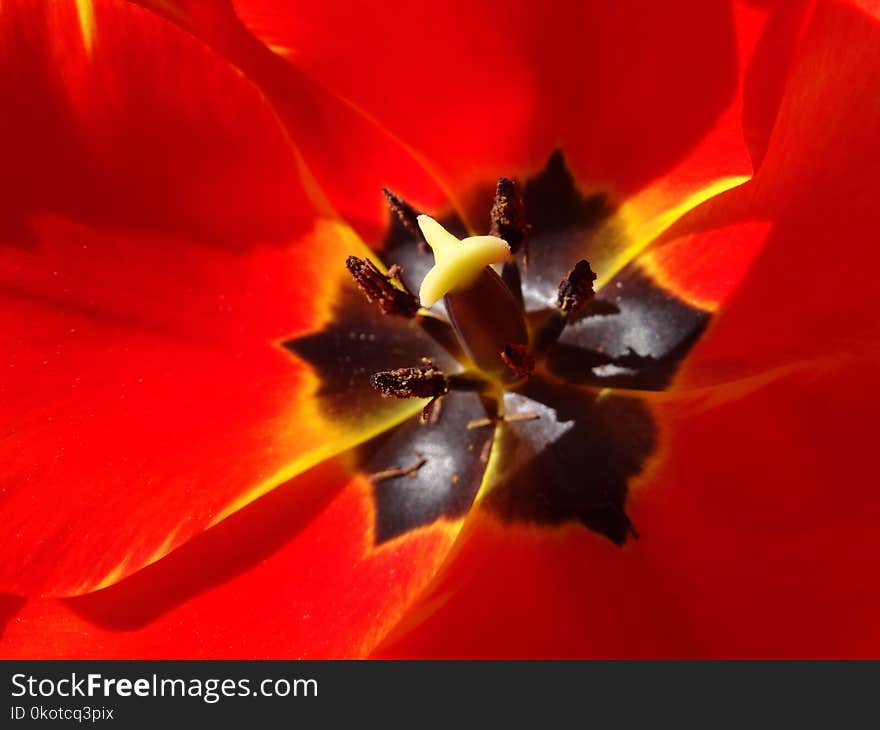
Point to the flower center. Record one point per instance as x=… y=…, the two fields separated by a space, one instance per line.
x=478 y=279
x=486 y=316
x=553 y=425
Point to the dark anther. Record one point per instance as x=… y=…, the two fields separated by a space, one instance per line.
x=509 y=216
x=404 y=212
x=422 y=381
x=575 y=293
x=519 y=359
x=576 y=289
x=381 y=289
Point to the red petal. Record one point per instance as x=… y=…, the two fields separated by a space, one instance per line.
x=706 y=269
x=757 y=515
x=809 y=292
x=349 y=155
x=116 y=118
x=768 y=72
x=293 y=575
x=146 y=394
x=483 y=89
x=757 y=540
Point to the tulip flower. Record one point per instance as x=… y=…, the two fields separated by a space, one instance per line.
x=592 y=378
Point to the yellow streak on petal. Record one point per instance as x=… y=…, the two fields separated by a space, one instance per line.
x=750 y=237
x=86 y=13
x=113 y=576
x=124 y=568
x=641 y=225
x=306 y=418
x=280 y=50
x=334 y=444
x=658 y=274
x=340 y=241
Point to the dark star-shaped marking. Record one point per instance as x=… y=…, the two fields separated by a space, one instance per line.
x=571 y=464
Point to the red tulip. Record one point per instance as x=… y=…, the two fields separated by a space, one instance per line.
x=194 y=462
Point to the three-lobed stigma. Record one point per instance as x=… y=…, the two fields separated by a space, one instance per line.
x=457 y=263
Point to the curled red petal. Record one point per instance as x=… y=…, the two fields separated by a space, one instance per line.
x=148 y=395
x=348 y=154
x=808 y=292
x=488 y=89
x=114 y=117
x=294 y=575
x=158 y=248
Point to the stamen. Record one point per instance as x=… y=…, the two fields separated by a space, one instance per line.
x=405 y=213
x=575 y=293
x=511 y=418
x=431 y=413
x=576 y=289
x=509 y=216
x=486 y=452
x=380 y=288
x=422 y=381
x=397 y=471
x=519 y=358
x=427 y=414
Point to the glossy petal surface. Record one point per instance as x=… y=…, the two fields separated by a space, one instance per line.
x=756 y=513
x=157 y=246
x=751 y=481
x=578 y=75
x=348 y=155
x=295 y=574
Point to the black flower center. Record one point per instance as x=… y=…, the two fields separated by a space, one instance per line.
x=527 y=363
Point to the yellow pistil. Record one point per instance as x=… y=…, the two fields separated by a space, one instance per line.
x=457 y=263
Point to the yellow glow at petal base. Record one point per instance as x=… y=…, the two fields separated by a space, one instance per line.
x=456 y=263
x=330 y=438
x=644 y=220
x=86 y=14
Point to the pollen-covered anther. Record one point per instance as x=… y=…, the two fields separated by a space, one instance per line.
x=380 y=288
x=405 y=213
x=576 y=288
x=508 y=216
x=519 y=359
x=422 y=381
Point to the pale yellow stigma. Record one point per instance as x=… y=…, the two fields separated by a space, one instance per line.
x=457 y=263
